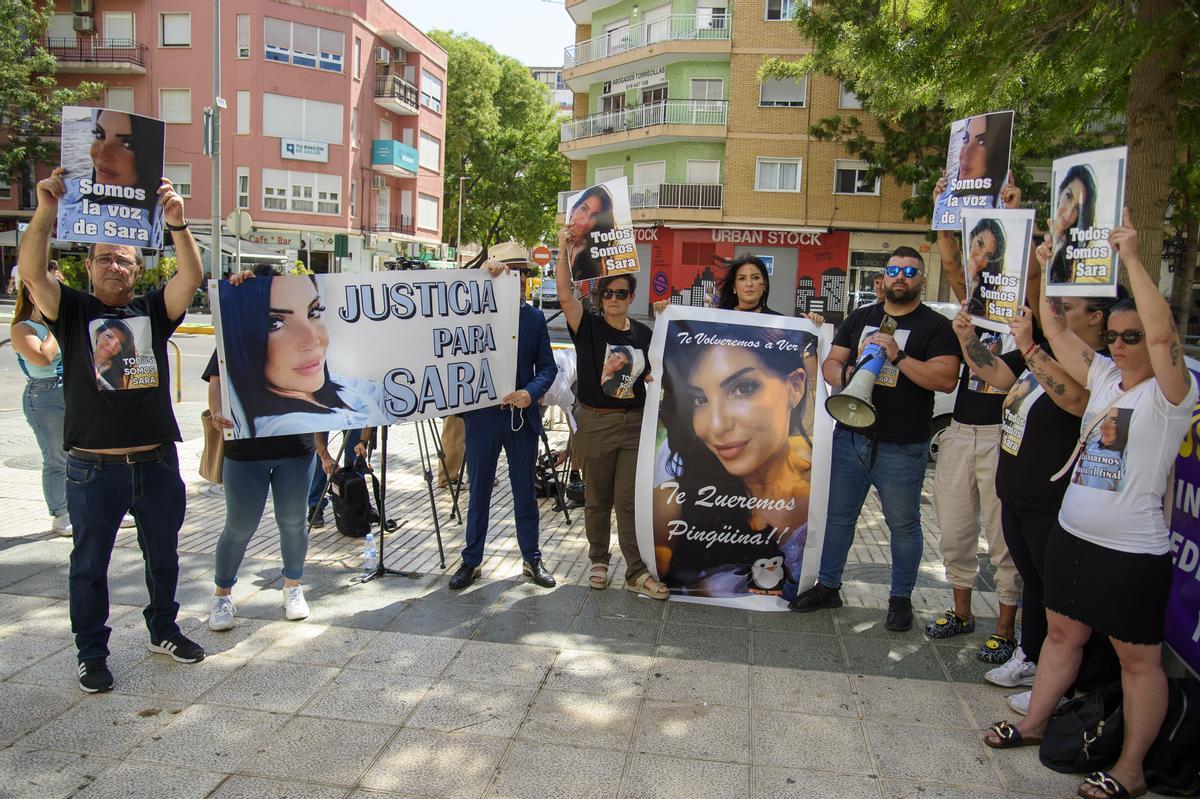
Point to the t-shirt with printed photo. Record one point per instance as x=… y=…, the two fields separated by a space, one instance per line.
x=123 y=353
x=622 y=367
x=976 y=402
x=1102 y=462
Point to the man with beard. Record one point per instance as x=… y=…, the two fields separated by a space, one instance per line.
x=922 y=357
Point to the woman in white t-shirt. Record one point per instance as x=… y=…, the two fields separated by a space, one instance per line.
x=1108 y=565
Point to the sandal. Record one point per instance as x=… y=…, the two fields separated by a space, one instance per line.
x=1009 y=737
x=948 y=625
x=598 y=576
x=1107 y=785
x=642 y=586
x=997 y=649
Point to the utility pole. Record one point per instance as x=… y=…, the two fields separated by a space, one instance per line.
x=215 y=139
x=462 y=176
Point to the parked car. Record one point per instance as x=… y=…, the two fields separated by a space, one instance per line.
x=943 y=402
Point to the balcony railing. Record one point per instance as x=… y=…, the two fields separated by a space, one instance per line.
x=396 y=88
x=668 y=112
x=396 y=223
x=673 y=28
x=703 y=196
x=97 y=51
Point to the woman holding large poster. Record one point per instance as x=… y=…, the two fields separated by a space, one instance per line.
x=733 y=461
x=1089 y=195
x=977 y=162
x=599 y=238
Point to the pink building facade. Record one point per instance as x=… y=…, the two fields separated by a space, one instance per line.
x=334 y=120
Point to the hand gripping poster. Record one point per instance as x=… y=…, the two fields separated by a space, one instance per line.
x=114 y=166
x=600 y=234
x=733 y=464
x=996 y=254
x=311 y=353
x=1086 y=201
x=1182 y=625
x=976 y=166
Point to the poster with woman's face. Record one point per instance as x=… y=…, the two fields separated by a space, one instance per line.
x=622 y=368
x=1102 y=464
x=600 y=238
x=996 y=264
x=976 y=166
x=114 y=166
x=1087 y=194
x=123 y=353
x=726 y=467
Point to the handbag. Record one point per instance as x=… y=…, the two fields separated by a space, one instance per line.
x=213 y=456
x=1086 y=733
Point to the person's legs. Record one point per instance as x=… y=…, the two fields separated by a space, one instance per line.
x=288 y=478
x=352 y=439
x=1008 y=580
x=624 y=486
x=245 y=496
x=1144 y=688
x=521 y=449
x=159 y=502
x=1025 y=535
x=956 y=500
x=482 y=451
x=596 y=446
x=45 y=410
x=317 y=486
x=849 y=481
x=453 y=444
x=898 y=474
x=1057 y=668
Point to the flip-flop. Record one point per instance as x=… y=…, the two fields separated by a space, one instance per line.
x=639 y=586
x=599 y=576
x=1009 y=737
x=1107 y=785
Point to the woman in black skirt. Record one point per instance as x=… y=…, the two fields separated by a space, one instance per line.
x=1108 y=566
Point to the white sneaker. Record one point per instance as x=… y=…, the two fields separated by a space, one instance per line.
x=1015 y=671
x=62 y=524
x=221 y=615
x=1020 y=702
x=294 y=604
x=127 y=521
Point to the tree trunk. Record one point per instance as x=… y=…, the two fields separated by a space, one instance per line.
x=1151 y=126
x=1187 y=278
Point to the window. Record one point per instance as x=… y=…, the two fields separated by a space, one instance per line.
x=784 y=92
x=175 y=29
x=847 y=98
x=301 y=192
x=707 y=94
x=118 y=98
x=781 y=9
x=243 y=35
x=275 y=189
x=243 y=187
x=302 y=45
x=353 y=127
x=353 y=198
x=357 y=58
x=62 y=27
x=175 y=106
x=243 y=112
x=430 y=153
x=5 y=190
x=431 y=92
x=712 y=15
x=180 y=176
x=850 y=177
x=301 y=118
x=427 y=212
x=329 y=195
x=607 y=173
x=118 y=25
x=704 y=172
x=777 y=174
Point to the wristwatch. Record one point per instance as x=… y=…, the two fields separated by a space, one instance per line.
x=900 y=356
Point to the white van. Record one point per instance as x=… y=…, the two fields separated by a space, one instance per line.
x=943 y=402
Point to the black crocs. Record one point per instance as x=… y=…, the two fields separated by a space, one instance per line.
x=949 y=624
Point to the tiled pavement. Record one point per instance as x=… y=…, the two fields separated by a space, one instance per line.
x=398 y=688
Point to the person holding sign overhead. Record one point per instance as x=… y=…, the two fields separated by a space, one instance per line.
x=591 y=214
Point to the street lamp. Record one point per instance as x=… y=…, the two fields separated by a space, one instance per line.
x=462 y=176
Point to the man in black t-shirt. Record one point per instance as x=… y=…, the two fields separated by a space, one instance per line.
x=922 y=357
x=120 y=428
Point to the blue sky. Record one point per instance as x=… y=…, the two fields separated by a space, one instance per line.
x=532 y=31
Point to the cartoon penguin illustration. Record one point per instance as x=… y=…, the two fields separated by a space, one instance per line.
x=767 y=575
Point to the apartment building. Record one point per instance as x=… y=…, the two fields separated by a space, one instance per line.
x=719 y=163
x=561 y=96
x=332 y=135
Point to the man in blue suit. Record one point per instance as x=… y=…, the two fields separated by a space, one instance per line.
x=515 y=426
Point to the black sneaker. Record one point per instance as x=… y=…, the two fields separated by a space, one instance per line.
x=316 y=518
x=817 y=598
x=94 y=676
x=181 y=649
x=899 y=615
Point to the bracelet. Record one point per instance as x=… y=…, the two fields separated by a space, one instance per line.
x=169 y=226
x=1032 y=347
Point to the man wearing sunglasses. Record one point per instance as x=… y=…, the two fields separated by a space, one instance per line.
x=923 y=357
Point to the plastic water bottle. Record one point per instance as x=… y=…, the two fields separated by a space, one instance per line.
x=370 y=555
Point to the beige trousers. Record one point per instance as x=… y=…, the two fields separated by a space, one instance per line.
x=454 y=444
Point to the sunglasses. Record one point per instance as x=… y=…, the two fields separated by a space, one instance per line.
x=908 y=271
x=1130 y=337
x=620 y=294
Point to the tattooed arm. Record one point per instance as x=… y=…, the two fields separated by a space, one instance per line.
x=1072 y=353
x=979 y=358
x=1063 y=390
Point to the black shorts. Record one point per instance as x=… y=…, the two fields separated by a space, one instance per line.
x=1120 y=594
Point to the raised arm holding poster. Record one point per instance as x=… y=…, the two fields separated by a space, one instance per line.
x=976 y=166
x=600 y=239
x=1088 y=195
x=733 y=464
x=996 y=252
x=114 y=163
x=314 y=353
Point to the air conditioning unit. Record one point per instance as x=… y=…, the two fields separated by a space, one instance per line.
x=83 y=6
x=378 y=182
x=399 y=56
x=83 y=24
x=383 y=55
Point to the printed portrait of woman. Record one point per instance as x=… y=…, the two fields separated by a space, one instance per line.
x=985 y=256
x=278 y=372
x=113 y=347
x=983 y=152
x=734 y=457
x=1019 y=392
x=1073 y=208
x=591 y=214
x=1102 y=464
x=616 y=375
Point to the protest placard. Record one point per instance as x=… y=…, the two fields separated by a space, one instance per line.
x=996 y=263
x=1088 y=194
x=1182 y=625
x=600 y=240
x=976 y=166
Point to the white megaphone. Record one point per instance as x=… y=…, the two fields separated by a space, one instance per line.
x=852 y=406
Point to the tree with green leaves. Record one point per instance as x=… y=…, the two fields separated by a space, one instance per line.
x=501 y=127
x=1079 y=75
x=31 y=100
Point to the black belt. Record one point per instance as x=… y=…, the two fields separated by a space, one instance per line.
x=146 y=456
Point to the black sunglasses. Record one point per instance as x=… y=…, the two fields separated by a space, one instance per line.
x=620 y=294
x=909 y=271
x=1130 y=337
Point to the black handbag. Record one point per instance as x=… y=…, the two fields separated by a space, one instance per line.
x=1086 y=733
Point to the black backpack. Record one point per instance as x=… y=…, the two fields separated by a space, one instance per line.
x=1173 y=763
x=352 y=509
x=1086 y=733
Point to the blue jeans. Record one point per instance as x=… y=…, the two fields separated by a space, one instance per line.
x=489 y=430
x=98 y=496
x=320 y=480
x=246 y=484
x=45 y=410
x=897 y=474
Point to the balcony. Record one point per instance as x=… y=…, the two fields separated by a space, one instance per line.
x=396 y=95
x=651 y=44
x=94 y=55
x=394 y=158
x=654 y=123
x=397 y=224
x=581 y=10
x=673 y=202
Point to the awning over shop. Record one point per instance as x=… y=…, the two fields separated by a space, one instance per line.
x=250 y=252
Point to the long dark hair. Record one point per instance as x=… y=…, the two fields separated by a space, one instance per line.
x=584 y=266
x=998 y=131
x=24 y=307
x=245 y=323
x=128 y=350
x=727 y=294
x=149 y=163
x=1060 y=268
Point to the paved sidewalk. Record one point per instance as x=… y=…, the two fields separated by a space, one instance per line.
x=400 y=688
